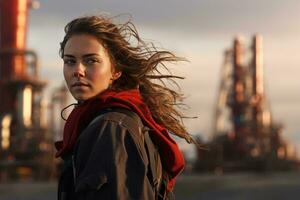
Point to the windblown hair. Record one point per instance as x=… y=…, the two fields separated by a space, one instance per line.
x=141 y=65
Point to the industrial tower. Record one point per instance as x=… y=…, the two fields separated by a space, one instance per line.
x=24 y=146
x=245 y=136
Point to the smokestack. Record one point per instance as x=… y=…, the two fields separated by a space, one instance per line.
x=238 y=51
x=238 y=72
x=13 y=29
x=258 y=88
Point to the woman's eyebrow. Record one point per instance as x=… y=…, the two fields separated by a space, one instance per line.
x=68 y=55
x=90 y=54
x=84 y=56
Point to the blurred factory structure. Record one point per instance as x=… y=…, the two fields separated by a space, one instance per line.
x=245 y=136
x=26 y=142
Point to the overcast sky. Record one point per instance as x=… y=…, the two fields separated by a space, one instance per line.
x=200 y=30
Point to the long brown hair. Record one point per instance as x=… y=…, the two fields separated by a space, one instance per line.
x=141 y=64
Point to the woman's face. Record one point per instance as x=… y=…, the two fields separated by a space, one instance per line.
x=88 y=70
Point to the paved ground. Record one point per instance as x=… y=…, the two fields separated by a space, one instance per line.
x=284 y=186
x=28 y=191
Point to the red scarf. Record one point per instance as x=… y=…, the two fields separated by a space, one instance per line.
x=83 y=114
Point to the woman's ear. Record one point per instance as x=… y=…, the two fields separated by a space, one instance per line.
x=116 y=75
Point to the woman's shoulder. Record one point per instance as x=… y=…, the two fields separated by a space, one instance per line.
x=120 y=117
x=112 y=126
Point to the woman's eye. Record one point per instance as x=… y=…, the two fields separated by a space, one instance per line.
x=69 y=61
x=91 y=61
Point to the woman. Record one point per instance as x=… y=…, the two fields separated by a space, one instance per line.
x=116 y=144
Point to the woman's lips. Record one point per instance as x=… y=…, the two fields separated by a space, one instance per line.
x=80 y=84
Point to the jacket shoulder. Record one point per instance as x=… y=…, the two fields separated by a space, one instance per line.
x=122 y=117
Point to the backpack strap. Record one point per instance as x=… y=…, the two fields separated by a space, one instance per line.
x=159 y=176
x=154 y=163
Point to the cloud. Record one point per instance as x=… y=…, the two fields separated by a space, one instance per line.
x=193 y=17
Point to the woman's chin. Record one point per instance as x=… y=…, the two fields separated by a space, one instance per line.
x=81 y=97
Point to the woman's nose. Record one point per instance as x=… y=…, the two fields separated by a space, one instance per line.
x=79 y=71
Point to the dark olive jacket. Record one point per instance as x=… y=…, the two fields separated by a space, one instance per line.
x=110 y=161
